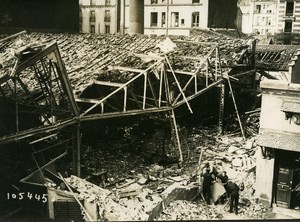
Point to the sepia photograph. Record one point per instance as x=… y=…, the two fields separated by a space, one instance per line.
x=149 y=110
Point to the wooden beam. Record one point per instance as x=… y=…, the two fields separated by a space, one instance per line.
x=76 y=198
x=178 y=85
x=154 y=57
x=99 y=116
x=105 y=83
x=13 y=36
x=190 y=57
x=35 y=131
x=78 y=150
x=117 y=90
x=43 y=138
x=135 y=98
x=127 y=69
x=182 y=72
x=177 y=104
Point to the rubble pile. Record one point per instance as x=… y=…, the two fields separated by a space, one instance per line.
x=227 y=152
x=187 y=210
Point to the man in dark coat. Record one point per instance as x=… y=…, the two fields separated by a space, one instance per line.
x=232 y=190
x=207 y=182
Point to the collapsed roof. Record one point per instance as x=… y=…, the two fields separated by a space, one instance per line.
x=115 y=74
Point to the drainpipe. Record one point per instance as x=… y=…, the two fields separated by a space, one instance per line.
x=122 y=19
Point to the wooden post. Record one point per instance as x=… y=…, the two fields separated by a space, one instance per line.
x=145 y=90
x=125 y=99
x=176 y=140
x=78 y=153
x=74 y=166
x=14 y=74
x=222 y=93
x=221 y=107
x=236 y=109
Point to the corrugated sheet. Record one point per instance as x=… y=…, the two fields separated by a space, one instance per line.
x=289 y=106
x=290 y=142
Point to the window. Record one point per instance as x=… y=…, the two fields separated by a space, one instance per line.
x=92 y=29
x=107 y=29
x=195 y=19
x=258 y=9
x=288 y=26
x=163 y=1
x=196 y=1
x=182 y=21
x=92 y=16
x=153 y=1
x=289 y=10
x=163 y=19
x=107 y=16
x=107 y=2
x=174 y=19
x=153 y=22
x=269 y=11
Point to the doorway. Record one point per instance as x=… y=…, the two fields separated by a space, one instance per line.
x=287 y=179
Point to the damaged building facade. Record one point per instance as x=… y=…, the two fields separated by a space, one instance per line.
x=278 y=172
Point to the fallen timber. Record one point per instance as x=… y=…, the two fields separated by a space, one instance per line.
x=148 y=81
x=153 y=91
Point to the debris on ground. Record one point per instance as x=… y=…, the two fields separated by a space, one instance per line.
x=134 y=188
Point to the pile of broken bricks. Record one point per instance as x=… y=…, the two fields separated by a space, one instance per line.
x=145 y=194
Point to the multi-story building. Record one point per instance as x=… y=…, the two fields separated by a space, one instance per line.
x=173 y=17
x=99 y=16
x=264 y=17
x=258 y=16
x=288 y=16
x=269 y=16
x=159 y=17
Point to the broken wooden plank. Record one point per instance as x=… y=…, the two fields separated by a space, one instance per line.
x=106 y=83
x=127 y=69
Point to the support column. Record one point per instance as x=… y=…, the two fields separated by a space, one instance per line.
x=221 y=107
x=176 y=137
x=74 y=166
x=78 y=150
x=122 y=17
x=136 y=17
x=222 y=91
